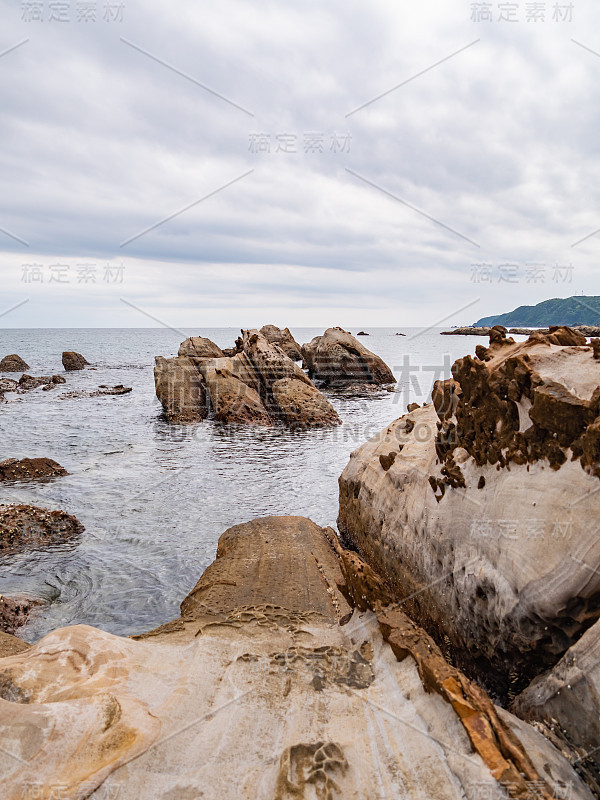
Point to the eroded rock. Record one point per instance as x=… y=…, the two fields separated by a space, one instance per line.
x=13 y=469
x=337 y=359
x=283 y=339
x=200 y=348
x=181 y=389
x=13 y=363
x=73 y=361
x=24 y=527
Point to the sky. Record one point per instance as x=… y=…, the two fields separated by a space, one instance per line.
x=306 y=164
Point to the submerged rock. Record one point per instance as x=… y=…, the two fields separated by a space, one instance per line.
x=73 y=361
x=24 y=527
x=13 y=363
x=13 y=469
x=29 y=382
x=338 y=359
x=283 y=339
x=325 y=701
x=483 y=520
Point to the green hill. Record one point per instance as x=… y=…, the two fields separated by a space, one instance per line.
x=558 y=311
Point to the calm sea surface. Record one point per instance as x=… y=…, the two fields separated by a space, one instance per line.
x=154 y=498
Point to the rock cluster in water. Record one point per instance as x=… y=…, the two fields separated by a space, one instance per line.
x=338 y=359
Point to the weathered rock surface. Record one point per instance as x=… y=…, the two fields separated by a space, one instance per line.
x=484 y=520
x=15 y=612
x=567 y=701
x=28 y=382
x=337 y=359
x=25 y=527
x=13 y=469
x=180 y=389
x=258 y=385
x=10 y=645
x=467 y=331
x=73 y=361
x=267 y=686
x=283 y=339
x=199 y=347
x=8 y=385
x=13 y=363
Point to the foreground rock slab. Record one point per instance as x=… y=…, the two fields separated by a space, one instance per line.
x=13 y=469
x=481 y=510
x=24 y=527
x=269 y=685
x=338 y=359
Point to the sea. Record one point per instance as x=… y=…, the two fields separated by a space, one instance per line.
x=154 y=497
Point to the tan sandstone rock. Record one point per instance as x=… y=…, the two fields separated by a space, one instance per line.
x=267 y=686
x=199 y=347
x=283 y=338
x=338 y=359
x=180 y=389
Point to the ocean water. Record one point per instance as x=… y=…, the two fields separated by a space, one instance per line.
x=155 y=497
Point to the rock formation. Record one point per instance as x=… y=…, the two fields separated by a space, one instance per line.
x=13 y=363
x=481 y=509
x=199 y=347
x=269 y=685
x=283 y=339
x=13 y=469
x=15 y=612
x=259 y=385
x=338 y=359
x=73 y=361
x=28 y=382
x=24 y=527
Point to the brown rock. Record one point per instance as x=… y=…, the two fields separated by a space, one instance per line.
x=181 y=389
x=13 y=363
x=29 y=469
x=231 y=399
x=11 y=646
x=73 y=361
x=301 y=405
x=283 y=339
x=8 y=385
x=24 y=527
x=15 y=612
x=199 y=347
x=445 y=398
x=338 y=359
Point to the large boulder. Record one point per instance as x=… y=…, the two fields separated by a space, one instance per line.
x=13 y=469
x=325 y=702
x=479 y=514
x=73 y=361
x=24 y=527
x=283 y=339
x=338 y=359
x=13 y=363
x=200 y=348
x=180 y=389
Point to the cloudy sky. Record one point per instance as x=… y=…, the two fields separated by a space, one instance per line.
x=310 y=163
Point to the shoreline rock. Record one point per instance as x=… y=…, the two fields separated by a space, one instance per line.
x=272 y=631
x=24 y=527
x=13 y=363
x=15 y=612
x=477 y=508
x=13 y=469
x=73 y=361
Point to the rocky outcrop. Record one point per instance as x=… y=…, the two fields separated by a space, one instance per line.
x=28 y=382
x=283 y=339
x=16 y=611
x=13 y=363
x=24 y=527
x=270 y=646
x=479 y=514
x=73 y=361
x=338 y=359
x=566 y=701
x=13 y=469
x=467 y=331
x=258 y=385
x=200 y=348
x=180 y=389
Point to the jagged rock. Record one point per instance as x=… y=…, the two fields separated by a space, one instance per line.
x=15 y=612
x=199 y=347
x=567 y=700
x=484 y=516
x=113 y=390
x=283 y=339
x=25 y=527
x=13 y=469
x=8 y=385
x=338 y=359
x=266 y=637
x=180 y=388
x=28 y=382
x=73 y=361
x=13 y=363
x=231 y=398
x=445 y=398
